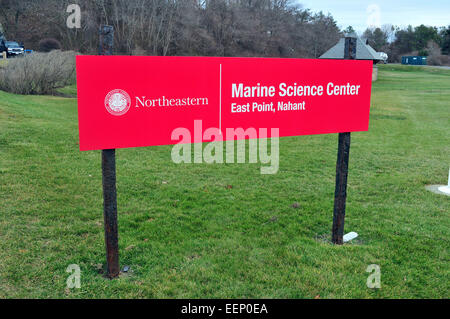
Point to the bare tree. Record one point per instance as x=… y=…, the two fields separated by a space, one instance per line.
x=176 y=27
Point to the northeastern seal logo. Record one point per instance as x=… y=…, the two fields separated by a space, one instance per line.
x=117 y=102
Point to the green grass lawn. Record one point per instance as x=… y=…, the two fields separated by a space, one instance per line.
x=68 y=91
x=187 y=234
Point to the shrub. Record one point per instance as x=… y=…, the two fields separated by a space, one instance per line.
x=38 y=73
x=435 y=57
x=49 y=44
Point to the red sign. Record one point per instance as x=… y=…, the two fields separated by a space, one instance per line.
x=139 y=101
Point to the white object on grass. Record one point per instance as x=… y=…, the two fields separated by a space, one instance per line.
x=350 y=236
x=446 y=189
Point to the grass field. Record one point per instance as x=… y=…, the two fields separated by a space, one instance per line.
x=195 y=231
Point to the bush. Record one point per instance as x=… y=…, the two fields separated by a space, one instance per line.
x=435 y=57
x=38 y=73
x=48 y=45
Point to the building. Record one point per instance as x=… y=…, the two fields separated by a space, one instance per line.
x=363 y=52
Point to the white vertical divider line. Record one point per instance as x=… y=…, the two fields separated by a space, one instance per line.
x=220 y=102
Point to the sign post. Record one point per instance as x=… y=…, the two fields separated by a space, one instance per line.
x=129 y=101
x=340 y=194
x=109 y=180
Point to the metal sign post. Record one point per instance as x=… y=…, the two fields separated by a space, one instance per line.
x=109 y=180
x=340 y=194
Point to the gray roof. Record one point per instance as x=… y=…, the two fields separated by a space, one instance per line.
x=363 y=50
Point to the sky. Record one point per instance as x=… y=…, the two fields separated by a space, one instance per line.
x=361 y=13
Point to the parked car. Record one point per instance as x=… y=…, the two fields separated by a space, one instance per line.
x=13 y=49
x=384 y=57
